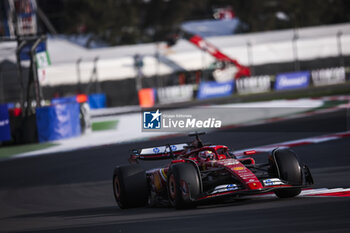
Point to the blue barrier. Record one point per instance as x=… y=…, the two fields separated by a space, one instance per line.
x=97 y=101
x=11 y=105
x=294 y=80
x=64 y=100
x=5 y=131
x=58 y=122
x=94 y=100
x=208 y=90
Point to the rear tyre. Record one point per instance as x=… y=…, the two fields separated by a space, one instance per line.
x=287 y=167
x=183 y=185
x=130 y=186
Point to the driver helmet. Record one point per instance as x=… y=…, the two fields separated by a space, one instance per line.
x=206 y=155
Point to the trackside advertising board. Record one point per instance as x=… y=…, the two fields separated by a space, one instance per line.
x=328 y=76
x=208 y=90
x=5 y=131
x=254 y=84
x=174 y=94
x=295 y=80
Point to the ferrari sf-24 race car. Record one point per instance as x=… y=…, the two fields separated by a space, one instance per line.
x=197 y=173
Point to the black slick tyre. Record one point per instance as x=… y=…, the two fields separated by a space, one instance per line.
x=130 y=186
x=287 y=167
x=183 y=185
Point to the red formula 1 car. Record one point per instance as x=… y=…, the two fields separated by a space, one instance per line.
x=198 y=173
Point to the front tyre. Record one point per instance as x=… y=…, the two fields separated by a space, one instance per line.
x=130 y=186
x=287 y=166
x=183 y=185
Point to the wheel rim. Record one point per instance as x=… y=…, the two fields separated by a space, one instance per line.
x=172 y=187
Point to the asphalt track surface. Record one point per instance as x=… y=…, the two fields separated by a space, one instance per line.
x=72 y=191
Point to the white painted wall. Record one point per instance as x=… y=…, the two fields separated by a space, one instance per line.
x=117 y=62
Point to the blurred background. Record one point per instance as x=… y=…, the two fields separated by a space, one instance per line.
x=123 y=22
x=78 y=76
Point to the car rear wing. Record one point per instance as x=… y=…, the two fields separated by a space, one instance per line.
x=158 y=152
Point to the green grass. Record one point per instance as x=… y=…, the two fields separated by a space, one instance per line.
x=332 y=103
x=8 y=151
x=104 y=125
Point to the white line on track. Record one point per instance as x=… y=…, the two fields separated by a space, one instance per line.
x=299 y=142
x=320 y=192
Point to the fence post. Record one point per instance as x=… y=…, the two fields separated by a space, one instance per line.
x=2 y=95
x=79 y=75
x=20 y=72
x=295 y=50
x=37 y=88
x=340 y=52
x=250 y=57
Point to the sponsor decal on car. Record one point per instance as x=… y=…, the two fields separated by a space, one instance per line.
x=163 y=149
x=163 y=174
x=231 y=187
x=225 y=188
x=156 y=150
x=272 y=182
x=157 y=183
x=229 y=162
